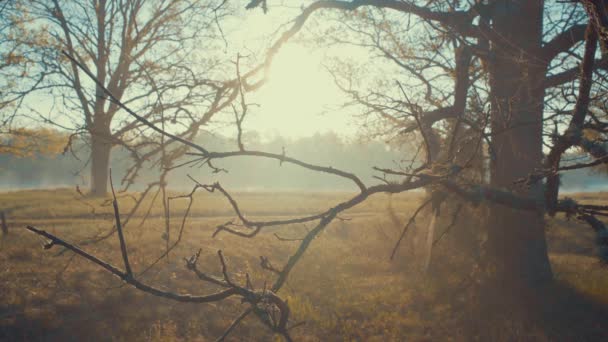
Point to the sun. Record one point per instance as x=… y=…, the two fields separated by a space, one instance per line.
x=300 y=97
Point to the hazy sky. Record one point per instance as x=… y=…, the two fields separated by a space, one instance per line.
x=300 y=97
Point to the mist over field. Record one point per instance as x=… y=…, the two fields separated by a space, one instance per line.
x=328 y=149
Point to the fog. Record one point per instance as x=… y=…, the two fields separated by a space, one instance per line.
x=245 y=174
x=327 y=149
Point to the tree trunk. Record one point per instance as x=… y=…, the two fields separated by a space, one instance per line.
x=516 y=247
x=100 y=163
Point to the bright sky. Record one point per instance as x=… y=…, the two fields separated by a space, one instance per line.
x=300 y=97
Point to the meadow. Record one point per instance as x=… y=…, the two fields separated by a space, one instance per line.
x=344 y=289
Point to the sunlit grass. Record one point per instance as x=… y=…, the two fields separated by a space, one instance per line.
x=67 y=203
x=345 y=288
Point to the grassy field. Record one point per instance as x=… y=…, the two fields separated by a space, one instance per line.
x=345 y=287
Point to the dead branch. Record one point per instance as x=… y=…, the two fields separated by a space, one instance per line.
x=408 y=224
x=121 y=237
x=261 y=302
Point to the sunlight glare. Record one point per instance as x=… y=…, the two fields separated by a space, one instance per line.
x=299 y=96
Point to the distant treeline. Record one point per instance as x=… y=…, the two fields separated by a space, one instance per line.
x=245 y=173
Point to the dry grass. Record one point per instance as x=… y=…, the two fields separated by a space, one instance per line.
x=345 y=288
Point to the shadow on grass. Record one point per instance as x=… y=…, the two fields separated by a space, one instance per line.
x=568 y=315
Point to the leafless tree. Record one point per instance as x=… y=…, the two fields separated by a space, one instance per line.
x=160 y=57
x=467 y=72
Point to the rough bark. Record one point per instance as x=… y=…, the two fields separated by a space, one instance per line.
x=516 y=246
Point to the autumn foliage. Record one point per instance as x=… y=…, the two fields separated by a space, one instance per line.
x=30 y=143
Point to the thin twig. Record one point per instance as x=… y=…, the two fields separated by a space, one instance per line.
x=121 y=238
x=405 y=228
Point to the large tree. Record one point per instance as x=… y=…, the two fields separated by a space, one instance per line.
x=160 y=57
x=501 y=68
